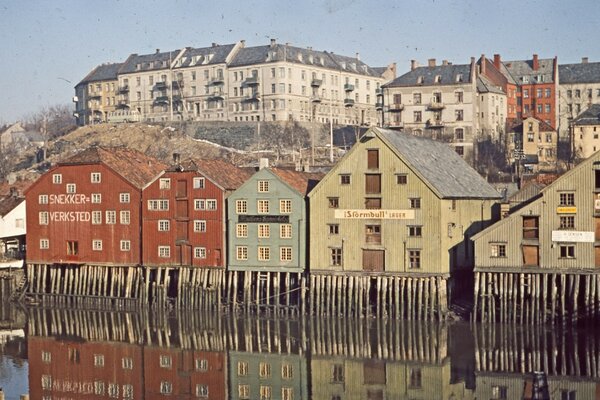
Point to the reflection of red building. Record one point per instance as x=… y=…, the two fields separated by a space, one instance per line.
x=84 y=370
x=186 y=374
x=184 y=213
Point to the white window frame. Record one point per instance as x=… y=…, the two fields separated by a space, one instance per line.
x=211 y=204
x=96 y=198
x=241 y=253
x=200 y=252
x=71 y=188
x=44 y=244
x=285 y=206
x=96 y=217
x=57 y=179
x=264 y=253
x=198 y=182
x=164 y=251
x=124 y=197
x=97 y=245
x=95 y=177
x=125 y=245
x=111 y=217
x=199 y=225
x=125 y=217
x=241 y=230
x=43 y=199
x=127 y=363
x=286 y=254
x=262 y=186
x=166 y=361
x=264 y=231
x=164 y=225
x=262 y=206
x=199 y=204
x=164 y=183
x=44 y=217
x=241 y=206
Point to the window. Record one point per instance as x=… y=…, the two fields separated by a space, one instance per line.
x=164 y=225
x=43 y=217
x=164 y=183
x=124 y=217
x=567 y=251
x=415 y=378
x=287 y=371
x=124 y=197
x=372 y=159
x=46 y=382
x=46 y=357
x=285 y=231
x=373 y=203
x=417 y=115
x=242 y=368
x=264 y=253
x=415 y=202
x=199 y=204
x=128 y=391
x=264 y=231
x=201 y=390
x=241 y=230
x=333 y=202
x=43 y=199
x=530 y=227
x=287 y=393
x=337 y=373
x=414 y=259
x=263 y=186
x=241 y=206
x=567 y=222
x=459 y=97
x=199 y=225
x=335 y=258
x=166 y=387
x=201 y=364
x=263 y=206
x=97 y=245
x=460 y=150
x=96 y=198
x=198 y=183
x=244 y=391
x=265 y=392
x=158 y=205
x=98 y=360
x=96 y=177
x=417 y=98
x=415 y=231
x=96 y=217
x=567 y=199
x=71 y=188
x=285 y=206
x=111 y=217
x=165 y=361
x=125 y=245
x=334 y=229
x=565 y=394
x=285 y=254
x=459 y=115
x=264 y=370
x=498 y=250
x=372 y=183
x=57 y=178
x=344 y=179
x=127 y=363
x=241 y=253
x=373 y=234
x=164 y=251
x=401 y=179
x=113 y=390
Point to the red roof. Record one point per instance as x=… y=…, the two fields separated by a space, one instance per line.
x=8 y=203
x=135 y=167
x=223 y=173
x=302 y=182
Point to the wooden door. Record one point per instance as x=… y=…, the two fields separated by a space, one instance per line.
x=181 y=209
x=373 y=260
x=531 y=255
x=181 y=188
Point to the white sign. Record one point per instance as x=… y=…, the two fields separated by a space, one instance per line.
x=573 y=236
x=375 y=214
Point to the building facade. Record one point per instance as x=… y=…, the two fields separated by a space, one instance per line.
x=96 y=96
x=371 y=214
x=584 y=132
x=533 y=144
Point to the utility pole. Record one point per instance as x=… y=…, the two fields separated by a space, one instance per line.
x=171 y=85
x=331 y=131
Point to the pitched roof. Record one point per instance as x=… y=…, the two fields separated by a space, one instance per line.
x=302 y=182
x=517 y=125
x=8 y=203
x=135 y=167
x=224 y=174
x=579 y=73
x=524 y=68
x=439 y=165
x=484 y=85
x=216 y=54
x=104 y=72
x=148 y=62
x=426 y=76
x=591 y=116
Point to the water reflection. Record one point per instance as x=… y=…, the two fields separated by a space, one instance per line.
x=96 y=354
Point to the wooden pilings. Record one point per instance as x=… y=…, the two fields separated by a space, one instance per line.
x=553 y=297
x=398 y=297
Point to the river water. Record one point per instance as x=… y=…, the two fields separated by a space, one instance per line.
x=75 y=354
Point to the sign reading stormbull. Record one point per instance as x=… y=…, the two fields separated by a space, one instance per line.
x=374 y=214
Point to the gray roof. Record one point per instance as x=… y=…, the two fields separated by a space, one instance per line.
x=484 y=85
x=449 y=75
x=148 y=62
x=591 y=116
x=521 y=68
x=579 y=73
x=440 y=166
x=216 y=54
x=279 y=52
x=104 y=72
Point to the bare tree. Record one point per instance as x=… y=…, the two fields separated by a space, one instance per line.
x=57 y=120
x=289 y=137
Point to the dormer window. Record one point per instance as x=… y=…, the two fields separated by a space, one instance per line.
x=438 y=79
x=420 y=80
x=525 y=79
x=300 y=57
x=459 y=78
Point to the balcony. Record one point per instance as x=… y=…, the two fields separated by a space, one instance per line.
x=316 y=82
x=217 y=80
x=379 y=106
x=123 y=89
x=161 y=100
x=160 y=86
x=315 y=99
x=215 y=96
x=396 y=107
x=122 y=104
x=94 y=96
x=435 y=123
x=250 y=81
x=251 y=98
x=436 y=105
x=348 y=102
x=395 y=124
x=379 y=92
x=348 y=87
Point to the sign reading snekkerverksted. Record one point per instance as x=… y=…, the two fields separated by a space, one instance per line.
x=374 y=214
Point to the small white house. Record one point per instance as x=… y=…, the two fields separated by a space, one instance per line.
x=12 y=226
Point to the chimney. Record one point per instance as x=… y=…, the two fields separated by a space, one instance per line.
x=358 y=56
x=497 y=61
x=483 y=62
x=176 y=158
x=584 y=60
x=536 y=63
x=263 y=163
x=413 y=65
x=242 y=43
x=14 y=192
x=214 y=44
x=157 y=51
x=431 y=62
x=273 y=42
x=444 y=62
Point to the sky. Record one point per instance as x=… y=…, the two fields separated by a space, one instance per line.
x=48 y=46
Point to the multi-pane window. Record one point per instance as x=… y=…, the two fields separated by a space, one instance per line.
x=125 y=217
x=567 y=251
x=334 y=229
x=285 y=231
x=166 y=387
x=201 y=364
x=264 y=231
x=97 y=245
x=265 y=392
x=415 y=231
x=57 y=178
x=285 y=206
x=242 y=368
x=111 y=217
x=43 y=217
x=128 y=391
x=43 y=199
x=415 y=202
x=46 y=357
x=199 y=204
x=567 y=222
x=287 y=393
x=113 y=390
x=98 y=360
x=498 y=250
x=127 y=363
x=96 y=198
x=199 y=226
x=264 y=370
x=96 y=217
x=96 y=177
x=373 y=234
x=333 y=202
x=335 y=256
x=71 y=188
x=44 y=244
x=201 y=390
x=402 y=179
x=567 y=199
x=241 y=253
x=344 y=179
x=243 y=391
x=158 y=205
x=264 y=253
x=164 y=251
x=241 y=206
x=241 y=230
x=287 y=371
x=263 y=186
x=165 y=361
x=164 y=225
x=337 y=373
x=198 y=183
x=125 y=245
x=414 y=259
x=263 y=206
x=124 y=198
x=211 y=204
x=285 y=254
x=501 y=392
x=164 y=183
